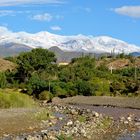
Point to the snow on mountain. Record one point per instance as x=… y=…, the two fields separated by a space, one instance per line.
x=101 y=44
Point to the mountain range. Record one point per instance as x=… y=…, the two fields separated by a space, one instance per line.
x=14 y=42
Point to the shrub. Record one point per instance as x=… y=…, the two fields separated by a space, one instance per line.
x=85 y=88
x=117 y=87
x=101 y=86
x=60 y=92
x=14 y=99
x=36 y=85
x=45 y=95
x=3 y=81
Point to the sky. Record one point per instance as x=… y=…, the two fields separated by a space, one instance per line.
x=115 y=18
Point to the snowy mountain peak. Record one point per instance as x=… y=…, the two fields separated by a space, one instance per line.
x=101 y=44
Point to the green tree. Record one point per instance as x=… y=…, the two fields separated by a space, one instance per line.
x=36 y=85
x=35 y=60
x=85 y=88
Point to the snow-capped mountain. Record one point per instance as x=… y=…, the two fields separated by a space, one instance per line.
x=101 y=44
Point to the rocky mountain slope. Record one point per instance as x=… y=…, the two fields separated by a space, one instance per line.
x=76 y=43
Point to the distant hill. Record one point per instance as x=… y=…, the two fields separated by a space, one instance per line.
x=119 y=63
x=10 y=49
x=64 y=56
x=135 y=54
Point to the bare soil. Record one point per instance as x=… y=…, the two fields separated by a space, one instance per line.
x=6 y=65
x=17 y=121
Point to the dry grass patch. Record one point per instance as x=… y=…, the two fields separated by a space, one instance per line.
x=6 y=65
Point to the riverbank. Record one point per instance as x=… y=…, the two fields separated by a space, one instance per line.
x=125 y=102
x=78 y=124
x=78 y=121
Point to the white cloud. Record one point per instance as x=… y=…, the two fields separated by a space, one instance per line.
x=43 y=17
x=4 y=30
x=23 y=2
x=7 y=13
x=131 y=11
x=11 y=12
x=56 y=28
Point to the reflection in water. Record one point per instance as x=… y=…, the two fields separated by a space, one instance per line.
x=133 y=136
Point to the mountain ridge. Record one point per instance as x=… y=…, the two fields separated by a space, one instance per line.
x=75 y=43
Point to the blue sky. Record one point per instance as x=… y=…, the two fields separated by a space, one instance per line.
x=116 y=18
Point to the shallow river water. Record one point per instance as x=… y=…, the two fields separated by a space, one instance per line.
x=134 y=136
x=116 y=113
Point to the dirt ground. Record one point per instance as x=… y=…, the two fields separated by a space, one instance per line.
x=17 y=121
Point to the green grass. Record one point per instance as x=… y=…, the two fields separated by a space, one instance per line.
x=10 y=98
x=63 y=137
x=81 y=118
x=43 y=114
x=104 y=124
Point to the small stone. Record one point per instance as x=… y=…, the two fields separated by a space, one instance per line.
x=69 y=123
x=126 y=122
x=83 y=131
x=122 y=119
x=133 y=135
x=60 y=118
x=30 y=128
x=88 y=110
x=44 y=131
x=5 y=135
x=89 y=137
x=74 y=130
x=129 y=119
x=137 y=124
x=95 y=114
x=50 y=124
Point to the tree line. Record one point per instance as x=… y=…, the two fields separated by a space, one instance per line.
x=38 y=74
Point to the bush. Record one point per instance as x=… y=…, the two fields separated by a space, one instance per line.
x=13 y=99
x=3 y=81
x=60 y=92
x=36 y=85
x=117 y=88
x=71 y=89
x=101 y=86
x=85 y=88
x=45 y=95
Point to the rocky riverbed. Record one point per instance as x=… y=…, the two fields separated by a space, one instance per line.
x=80 y=123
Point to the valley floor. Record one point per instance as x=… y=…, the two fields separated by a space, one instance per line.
x=17 y=121
x=73 y=116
